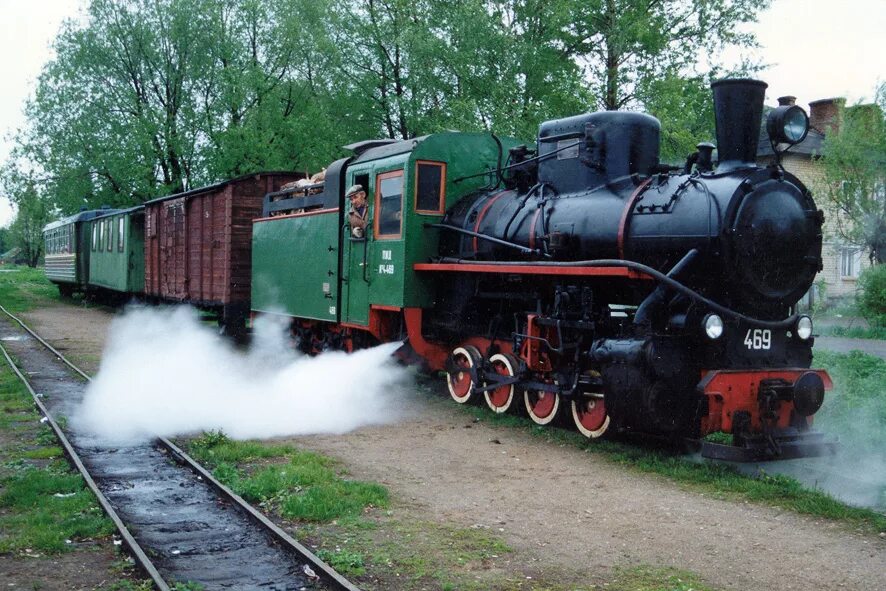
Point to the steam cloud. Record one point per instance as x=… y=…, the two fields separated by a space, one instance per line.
x=162 y=373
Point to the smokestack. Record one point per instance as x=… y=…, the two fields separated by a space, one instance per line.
x=738 y=113
x=787 y=101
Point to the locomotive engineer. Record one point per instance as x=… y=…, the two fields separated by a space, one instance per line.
x=357 y=214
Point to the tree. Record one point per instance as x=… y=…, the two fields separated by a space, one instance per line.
x=854 y=160
x=32 y=213
x=625 y=45
x=152 y=97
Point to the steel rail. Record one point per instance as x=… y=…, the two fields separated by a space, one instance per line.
x=138 y=553
x=326 y=572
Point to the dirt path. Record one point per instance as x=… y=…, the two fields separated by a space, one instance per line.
x=561 y=508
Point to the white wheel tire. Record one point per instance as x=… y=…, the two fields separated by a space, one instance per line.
x=512 y=370
x=590 y=434
x=472 y=355
x=542 y=420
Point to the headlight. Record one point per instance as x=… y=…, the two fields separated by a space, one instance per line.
x=804 y=327
x=713 y=326
x=787 y=124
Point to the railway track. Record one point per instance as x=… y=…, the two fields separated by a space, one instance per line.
x=179 y=523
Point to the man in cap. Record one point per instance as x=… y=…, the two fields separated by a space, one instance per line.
x=357 y=214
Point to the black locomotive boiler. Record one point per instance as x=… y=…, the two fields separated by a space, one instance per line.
x=594 y=280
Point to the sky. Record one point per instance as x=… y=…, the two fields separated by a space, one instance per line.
x=815 y=49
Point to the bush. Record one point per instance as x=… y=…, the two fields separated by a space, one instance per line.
x=872 y=295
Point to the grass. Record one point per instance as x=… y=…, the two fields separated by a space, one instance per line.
x=24 y=288
x=855 y=332
x=388 y=551
x=649 y=578
x=856 y=408
x=300 y=485
x=43 y=504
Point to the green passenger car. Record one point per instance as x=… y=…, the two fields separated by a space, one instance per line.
x=307 y=264
x=117 y=252
x=67 y=248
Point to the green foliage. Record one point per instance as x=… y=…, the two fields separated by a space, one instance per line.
x=685 y=108
x=627 y=45
x=306 y=487
x=32 y=213
x=854 y=183
x=872 y=295
x=148 y=97
x=346 y=562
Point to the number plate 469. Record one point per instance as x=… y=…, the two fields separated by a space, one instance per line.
x=758 y=338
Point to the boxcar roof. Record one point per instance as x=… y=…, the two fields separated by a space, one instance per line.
x=79 y=217
x=217 y=186
x=120 y=211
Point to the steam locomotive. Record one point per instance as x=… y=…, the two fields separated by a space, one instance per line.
x=576 y=280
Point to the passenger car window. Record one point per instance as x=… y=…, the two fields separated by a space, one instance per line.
x=389 y=204
x=120 y=235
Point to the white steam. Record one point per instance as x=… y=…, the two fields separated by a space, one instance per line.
x=164 y=374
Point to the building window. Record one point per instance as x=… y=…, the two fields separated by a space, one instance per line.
x=850 y=262
x=430 y=187
x=389 y=204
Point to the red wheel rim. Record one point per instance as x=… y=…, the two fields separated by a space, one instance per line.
x=461 y=382
x=591 y=413
x=543 y=403
x=501 y=397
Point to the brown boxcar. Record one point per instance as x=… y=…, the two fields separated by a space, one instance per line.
x=198 y=243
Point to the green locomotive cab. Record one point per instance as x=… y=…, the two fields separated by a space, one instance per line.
x=117 y=252
x=310 y=264
x=67 y=245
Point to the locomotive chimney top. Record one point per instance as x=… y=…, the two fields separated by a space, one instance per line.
x=825 y=115
x=738 y=111
x=787 y=101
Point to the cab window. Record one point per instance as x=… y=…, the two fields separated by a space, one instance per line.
x=389 y=204
x=430 y=187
